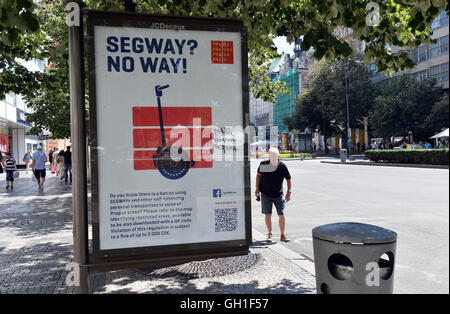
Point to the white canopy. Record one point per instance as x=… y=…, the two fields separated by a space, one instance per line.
x=441 y=134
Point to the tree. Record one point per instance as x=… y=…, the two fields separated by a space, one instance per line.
x=308 y=115
x=438 y=118
x=323 y=108
x=50 y=103
x=19 y=38
x=404 y=23
x=405 y=105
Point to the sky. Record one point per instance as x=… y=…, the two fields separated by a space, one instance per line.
x=283 y=46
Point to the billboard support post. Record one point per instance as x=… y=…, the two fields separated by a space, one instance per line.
x=78 y=137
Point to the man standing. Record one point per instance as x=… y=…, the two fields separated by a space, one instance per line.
x=38 y=166
x=269 y=183
x=68 y=164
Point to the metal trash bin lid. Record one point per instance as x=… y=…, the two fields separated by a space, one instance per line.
x=354 y=232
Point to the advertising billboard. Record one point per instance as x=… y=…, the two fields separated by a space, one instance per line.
x=168 y=98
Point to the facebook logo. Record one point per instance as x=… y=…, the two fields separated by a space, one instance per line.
x=217 y=193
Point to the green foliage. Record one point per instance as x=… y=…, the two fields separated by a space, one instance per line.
x=438 y=118
x=36 y=29
x=19 y=38
x=16 y=18
x=50 y=103
x=415 y=156
x=404 y=105
x=322 y=106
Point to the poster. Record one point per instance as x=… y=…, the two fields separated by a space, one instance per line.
x=4 y=143
x=169 y=148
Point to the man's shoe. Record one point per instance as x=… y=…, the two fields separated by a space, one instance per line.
x=269 y=237
x=284 y=238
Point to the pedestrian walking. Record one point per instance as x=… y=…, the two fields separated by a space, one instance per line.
x=10 y=165
x=1 y=162
x=61 y=167
x=50 y=159
x=68 y=164
x=55 y=160
x=269 y=189
x=27 y=159
x=38 y=166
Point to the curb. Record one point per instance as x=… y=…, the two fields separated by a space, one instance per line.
x=365 y=163
x=304 y=262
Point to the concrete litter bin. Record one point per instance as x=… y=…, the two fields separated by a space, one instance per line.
x=354 y=258
x=343 y=155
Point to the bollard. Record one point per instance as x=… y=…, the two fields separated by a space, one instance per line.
x=343 y=155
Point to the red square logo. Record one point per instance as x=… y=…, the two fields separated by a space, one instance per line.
x=222 y=52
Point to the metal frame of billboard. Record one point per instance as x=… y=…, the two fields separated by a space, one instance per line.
x=101 y=260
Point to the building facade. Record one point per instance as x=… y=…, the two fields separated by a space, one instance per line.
x=294 y=72
x=432 y=61
x=13 y=124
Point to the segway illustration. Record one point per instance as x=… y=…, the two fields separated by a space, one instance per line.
x=171 y=166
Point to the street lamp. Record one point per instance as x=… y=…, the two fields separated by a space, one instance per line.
x=349 y=132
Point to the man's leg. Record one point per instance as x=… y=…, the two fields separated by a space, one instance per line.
x=70 y=170
x=281 y=223
x=42 y=178
x=266 y=208
x=268 y=219
x=280 y=204
x=66 y=174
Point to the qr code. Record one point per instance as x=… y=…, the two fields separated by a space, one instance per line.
x=226 y=219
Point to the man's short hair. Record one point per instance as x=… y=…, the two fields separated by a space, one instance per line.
x=275 y=151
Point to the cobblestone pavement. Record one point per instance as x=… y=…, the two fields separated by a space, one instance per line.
x=36 y=245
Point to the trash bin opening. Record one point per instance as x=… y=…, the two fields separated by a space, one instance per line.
x=386 y=264
x=324 y=288
x=340 y=266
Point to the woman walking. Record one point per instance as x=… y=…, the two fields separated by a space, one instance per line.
x=61 y=166
x=55 y=161
x=27 y=159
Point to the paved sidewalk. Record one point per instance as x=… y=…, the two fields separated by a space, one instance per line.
x=36 y=245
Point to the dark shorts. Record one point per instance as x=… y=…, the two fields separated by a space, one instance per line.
x=10 y=175
x=39 y=173
x=267 y=202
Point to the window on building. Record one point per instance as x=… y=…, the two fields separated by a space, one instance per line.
x=440 y=47
x=10 y=99
x=422 y=75
x=443 y=42
x=444 y=71
x=440 y=21
x=440 y=72
x=422 y=54
x=434 y=49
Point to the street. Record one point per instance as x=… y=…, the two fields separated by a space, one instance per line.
x=36 y=228
x=413 y=202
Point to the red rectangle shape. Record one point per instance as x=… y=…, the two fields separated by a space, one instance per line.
x=143 y=159
x=222 y=52
x=172 y=116
x=228 y=52
x=151 y=138
x=216 y=52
